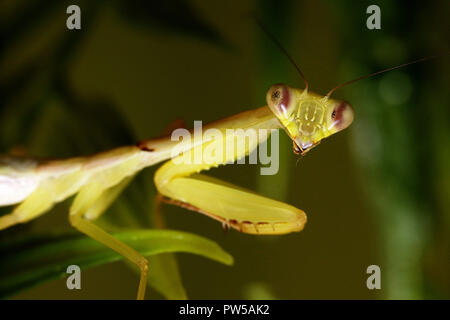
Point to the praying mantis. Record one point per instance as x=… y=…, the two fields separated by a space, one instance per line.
x=34 y=186
x=96 y=181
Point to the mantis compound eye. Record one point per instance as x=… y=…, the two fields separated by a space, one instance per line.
x=278 y=99
x=341 y=116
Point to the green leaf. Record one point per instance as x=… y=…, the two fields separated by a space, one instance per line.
x=29 y=261
x=165 y=277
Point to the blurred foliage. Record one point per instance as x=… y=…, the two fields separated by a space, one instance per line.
x=401 y=134
x=401 y=139
x=177 y=16
x=29 y=261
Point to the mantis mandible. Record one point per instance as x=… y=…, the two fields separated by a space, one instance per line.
x=34 y=186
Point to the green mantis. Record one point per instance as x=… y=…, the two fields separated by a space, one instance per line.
x=34 y=187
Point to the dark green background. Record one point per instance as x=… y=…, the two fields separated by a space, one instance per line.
x=377 y=193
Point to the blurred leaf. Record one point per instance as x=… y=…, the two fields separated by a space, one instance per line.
x=177 y=16
x=29 y=261
x=25 y=19
x=165 y=277
x=258 y=291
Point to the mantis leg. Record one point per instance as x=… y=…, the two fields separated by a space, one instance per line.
x=36 y=204
x=106 y=199
x=233 y=206
x=159 y=220
x=244 y=211
x=92 y=200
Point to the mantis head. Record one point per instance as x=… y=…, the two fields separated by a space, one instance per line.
x=307 y=117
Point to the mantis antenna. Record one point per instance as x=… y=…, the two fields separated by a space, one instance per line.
x=382 y=71
x=282 y=49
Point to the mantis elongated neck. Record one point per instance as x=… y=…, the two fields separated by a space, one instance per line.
x=161 y=149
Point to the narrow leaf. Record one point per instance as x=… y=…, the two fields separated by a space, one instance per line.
x=29 y=261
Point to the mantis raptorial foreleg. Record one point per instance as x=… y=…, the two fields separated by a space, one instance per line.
x=235 y=207
x=92 y=201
